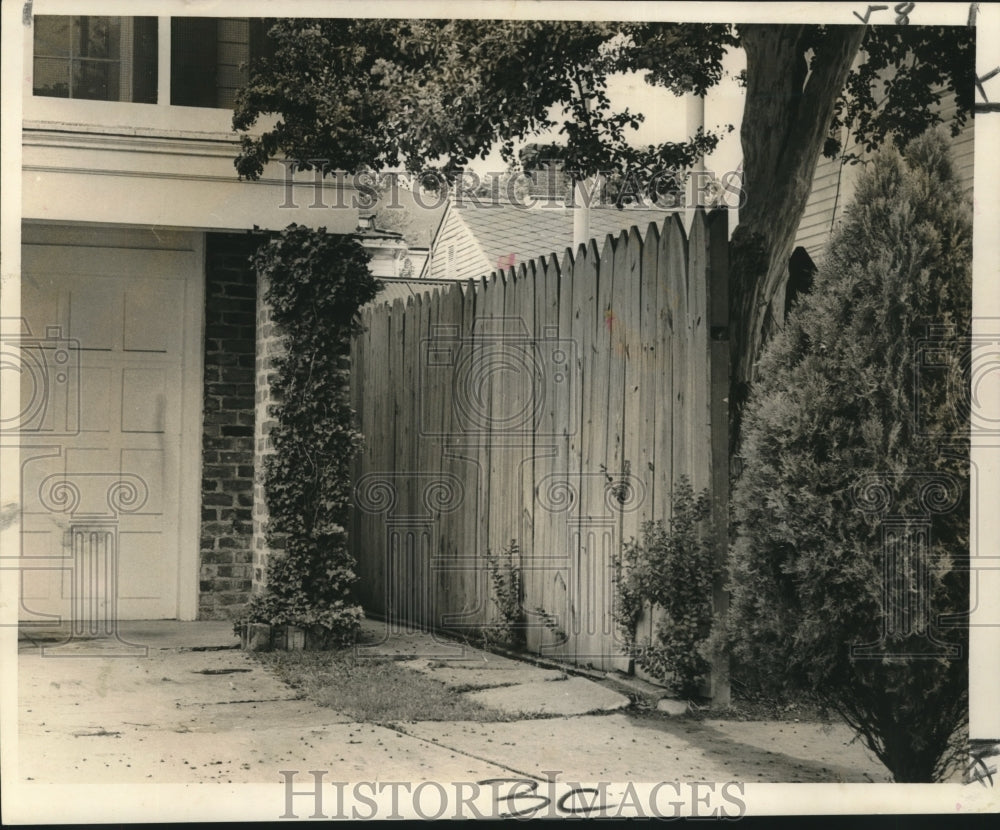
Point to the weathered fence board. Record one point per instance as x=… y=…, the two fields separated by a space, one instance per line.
x=555 y=404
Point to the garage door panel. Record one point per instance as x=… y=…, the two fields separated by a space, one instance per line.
x=50 y=383
x=109 y=501
x=95 y=313
x=40 y=546
x=149 y=468
x=34 y=587
x=142 y=571
x=42 y=305
x=37 y=473
x=144 y=400
x=152 y=309
x=96 y=398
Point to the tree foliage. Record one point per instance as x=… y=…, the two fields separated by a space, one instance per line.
x=856 y=444
x=431 y=95
x=381 y=93
x=897 y=92
x=315 y=285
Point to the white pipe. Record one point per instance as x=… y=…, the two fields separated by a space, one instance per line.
x=581 y=215
x=695 y=120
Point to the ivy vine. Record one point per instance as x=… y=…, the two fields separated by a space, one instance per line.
x=316 y=282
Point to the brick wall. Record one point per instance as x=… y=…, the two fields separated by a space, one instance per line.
x=269 y=344
x=228 y=436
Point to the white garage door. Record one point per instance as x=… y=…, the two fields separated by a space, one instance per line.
x=114 y=363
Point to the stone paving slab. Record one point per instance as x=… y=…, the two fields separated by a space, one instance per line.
x=672 y=707
x=163 y=678
x=623 y=747
x=158 y=719
x=574 y=696
x=467 y=675
x=254 y=753
x=843 y=756
x=131 y=635
x=215 y=715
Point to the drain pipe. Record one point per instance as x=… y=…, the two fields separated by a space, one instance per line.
x=581 y=214
x=581 y=199
x=695 y=120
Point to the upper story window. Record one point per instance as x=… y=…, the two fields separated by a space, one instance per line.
x=208 y=57
x=115 y=58
x=97 y=58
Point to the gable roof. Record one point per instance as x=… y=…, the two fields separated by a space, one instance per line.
x=509 y=235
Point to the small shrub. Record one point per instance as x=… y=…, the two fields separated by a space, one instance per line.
x=506 y=628
x=551 y=623
x=673 y=570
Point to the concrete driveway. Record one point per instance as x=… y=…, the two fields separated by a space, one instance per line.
x=195 y=708
x=179 y=703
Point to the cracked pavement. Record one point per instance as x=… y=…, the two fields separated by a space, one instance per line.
x=194 y=708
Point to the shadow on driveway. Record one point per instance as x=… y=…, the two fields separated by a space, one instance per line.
x=782 y=751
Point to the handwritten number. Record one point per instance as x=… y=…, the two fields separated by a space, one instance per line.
x=902 y=13
x=566 y=804
x=983 y=775
x=869 y=13
x=515 y=795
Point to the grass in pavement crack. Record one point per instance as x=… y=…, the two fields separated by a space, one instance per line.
x=373 y=689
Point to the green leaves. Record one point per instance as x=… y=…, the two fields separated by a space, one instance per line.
x=377 y=94
x=845 y=395
x=893 y=95
x=315 y=285
x=672 y=571
x=506 y=587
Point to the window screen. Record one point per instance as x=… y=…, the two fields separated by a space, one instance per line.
x=208 y=57
x=96 y=58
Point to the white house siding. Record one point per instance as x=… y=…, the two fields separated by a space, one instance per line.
x=831 y=184
x=455 y=254
x=962 y=147
x=834 y=184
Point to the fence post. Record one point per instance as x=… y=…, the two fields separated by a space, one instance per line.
x=718 y=317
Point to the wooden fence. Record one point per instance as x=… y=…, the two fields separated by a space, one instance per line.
x=554 y=404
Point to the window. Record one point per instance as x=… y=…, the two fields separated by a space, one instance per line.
x=208 y=57
x=97 y=58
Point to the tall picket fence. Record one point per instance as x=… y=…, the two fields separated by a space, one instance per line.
x=555 y=404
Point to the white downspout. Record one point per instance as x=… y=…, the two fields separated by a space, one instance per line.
x=694 y=121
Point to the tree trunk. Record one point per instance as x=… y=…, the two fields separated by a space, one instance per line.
x=788 y=111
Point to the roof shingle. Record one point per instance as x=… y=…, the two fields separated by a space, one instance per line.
x=510 y=235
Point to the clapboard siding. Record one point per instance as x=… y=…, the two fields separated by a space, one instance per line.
x=834 y=184
x=455 y=253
